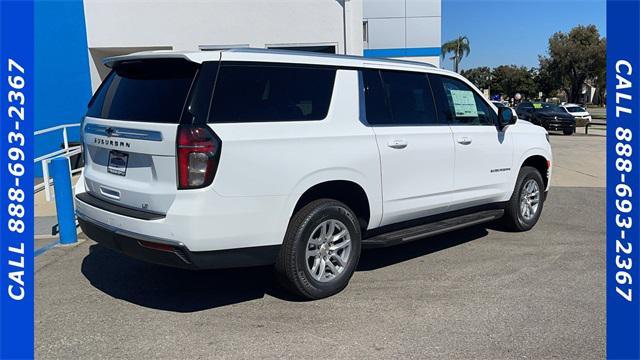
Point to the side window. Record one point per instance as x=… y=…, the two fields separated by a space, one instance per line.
x=525 y=107
x=398 y=98
x=409 y=97
x=375 y=100
x=460 y=104
x=267 y=92
x=197 y=108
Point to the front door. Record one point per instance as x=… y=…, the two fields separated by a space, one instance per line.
x=483 y=153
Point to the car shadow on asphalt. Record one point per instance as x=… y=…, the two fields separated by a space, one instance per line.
x=178 y=290
x=373 y=259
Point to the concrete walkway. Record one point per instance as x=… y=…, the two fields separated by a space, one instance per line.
x=579 y=160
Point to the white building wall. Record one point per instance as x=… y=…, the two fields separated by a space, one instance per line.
x=435 y=60
x=407 y=29
x=119 y=27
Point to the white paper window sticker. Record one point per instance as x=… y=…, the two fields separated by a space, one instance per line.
x=464 y=103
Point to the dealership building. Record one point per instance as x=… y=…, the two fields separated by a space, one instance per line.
x=72 y=38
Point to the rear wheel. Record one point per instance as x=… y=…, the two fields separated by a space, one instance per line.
x=321 y=249
x=523 y=209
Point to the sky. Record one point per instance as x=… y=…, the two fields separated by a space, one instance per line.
x=506 y=32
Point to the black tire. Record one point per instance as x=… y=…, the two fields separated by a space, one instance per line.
x=291 y=265
x=513 y=218
x=568 y=132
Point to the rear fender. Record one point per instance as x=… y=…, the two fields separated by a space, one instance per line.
x=340 y=174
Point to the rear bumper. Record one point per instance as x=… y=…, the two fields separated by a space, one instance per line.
x=201 y=220
x=173 y=253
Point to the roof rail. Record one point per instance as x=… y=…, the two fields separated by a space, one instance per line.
x=324 y=55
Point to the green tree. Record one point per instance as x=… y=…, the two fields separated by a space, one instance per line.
x=600 y=79
x=548 y=80
x=459 y=48
x=575 y=57
x=511 y=79
x=480 y=76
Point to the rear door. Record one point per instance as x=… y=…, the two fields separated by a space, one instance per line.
x=129 y=133
x=483 y=154
x=416 y=151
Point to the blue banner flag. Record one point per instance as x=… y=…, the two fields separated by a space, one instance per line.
x=623 y=180
x=16 y=179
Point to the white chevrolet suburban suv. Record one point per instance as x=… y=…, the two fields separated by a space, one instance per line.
x=250 y=157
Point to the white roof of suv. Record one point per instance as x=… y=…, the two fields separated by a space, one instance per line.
x=293 y=57
x=282 y=56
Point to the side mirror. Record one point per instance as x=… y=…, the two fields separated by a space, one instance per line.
x=505 y=117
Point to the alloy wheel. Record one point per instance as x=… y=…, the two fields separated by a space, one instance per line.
x=328 y=250
x=529 y=199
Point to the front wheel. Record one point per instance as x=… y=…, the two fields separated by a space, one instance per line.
x=523 y=209
x=568 y=132
x=321 y=249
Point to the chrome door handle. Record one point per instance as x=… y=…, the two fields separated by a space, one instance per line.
x=465 y=140
x=397 y=144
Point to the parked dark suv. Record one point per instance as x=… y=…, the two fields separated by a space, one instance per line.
x=549 y=116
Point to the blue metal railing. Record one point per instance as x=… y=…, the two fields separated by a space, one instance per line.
x=67 y=151
x=61 y=180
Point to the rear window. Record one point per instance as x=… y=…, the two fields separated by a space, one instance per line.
x=270 y=92
x=151 y=90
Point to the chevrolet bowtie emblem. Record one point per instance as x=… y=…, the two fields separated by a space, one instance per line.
x=109 y=131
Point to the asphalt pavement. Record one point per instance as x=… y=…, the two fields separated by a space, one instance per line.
x=479 y=293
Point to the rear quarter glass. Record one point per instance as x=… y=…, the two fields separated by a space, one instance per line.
x=255 y=92
x=149 y=90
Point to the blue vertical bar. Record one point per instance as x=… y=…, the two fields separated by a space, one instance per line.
x=623 y=180
x=16 y=179
x=64 y=200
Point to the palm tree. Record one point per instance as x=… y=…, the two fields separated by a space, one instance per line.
x=459 y=47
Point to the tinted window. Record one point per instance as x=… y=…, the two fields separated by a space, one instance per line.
x=376 y=107
x=398 y=98
x=197 y=108
x=262 y=93
x=575 y=109
x=525 y=107
x=540 y=106
x=459 y=103
x=151 y=90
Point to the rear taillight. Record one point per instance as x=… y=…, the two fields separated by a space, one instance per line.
x=198 y=150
